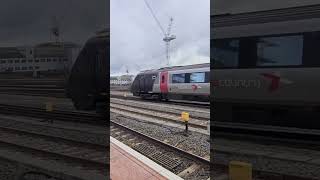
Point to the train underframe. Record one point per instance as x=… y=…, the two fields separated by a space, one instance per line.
x=168 y=96
x=306 y=117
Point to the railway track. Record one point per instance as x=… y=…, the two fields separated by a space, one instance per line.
x=198 y=113
x=150 y=113
x=120 y=94
x=293 y=137
x=59 y=115
x=33 y=87
x=142 y=143
x=274 y=152
x=85 y=156
x=58 y=93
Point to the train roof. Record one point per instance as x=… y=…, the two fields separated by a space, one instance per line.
x=100 y=36
x=277 y=21
x=173 y=68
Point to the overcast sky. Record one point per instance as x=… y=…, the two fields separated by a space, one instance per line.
x=136 y=40
x=29 y=22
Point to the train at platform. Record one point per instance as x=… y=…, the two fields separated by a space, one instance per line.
x=191 y=82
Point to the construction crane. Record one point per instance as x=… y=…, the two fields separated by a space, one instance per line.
x=55 y=29
x=167 y=40
x=58 y=20
x=167 y=36
x=127 y=70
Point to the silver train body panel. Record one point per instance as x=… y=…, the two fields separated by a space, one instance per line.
x=288 y=85
x=186 y=88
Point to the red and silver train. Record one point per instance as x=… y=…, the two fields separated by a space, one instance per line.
x=179 y=82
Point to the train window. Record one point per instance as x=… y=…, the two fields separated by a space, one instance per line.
x=156 y=79
x=198 y=77
x=42 y=60
x=37 y=60
x=23 y=61
x=17 y=61
x=279 y=51
x=3 y=61
x=10 y=61
x=178 y=78
x=225 y=53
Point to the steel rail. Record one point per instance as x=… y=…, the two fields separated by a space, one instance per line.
x=173 y=148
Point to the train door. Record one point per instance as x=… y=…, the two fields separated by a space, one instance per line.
x=142 y=84
x=149 y=82
x=164 y=82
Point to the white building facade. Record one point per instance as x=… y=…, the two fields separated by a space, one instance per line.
x=42 y=57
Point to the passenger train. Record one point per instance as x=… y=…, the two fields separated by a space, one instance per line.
x=179 y=82
x=88 y=83
x=266 y=67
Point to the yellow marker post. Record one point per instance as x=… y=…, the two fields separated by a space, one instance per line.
x=125 y=94
x=49 y=106
x=240 y=170
x=185 y=118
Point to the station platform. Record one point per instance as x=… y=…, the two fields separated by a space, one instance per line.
x=126 y=163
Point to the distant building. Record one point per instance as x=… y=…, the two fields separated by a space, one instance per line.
x=121 y=80
x=51 y=56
